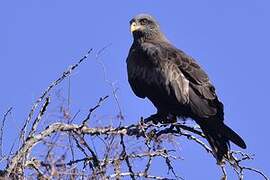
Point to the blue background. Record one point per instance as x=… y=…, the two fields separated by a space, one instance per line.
x=230 y=39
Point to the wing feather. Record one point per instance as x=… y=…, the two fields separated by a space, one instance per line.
x=198 y=79
x=172 y=79
x=172 y=75
x=148 y=63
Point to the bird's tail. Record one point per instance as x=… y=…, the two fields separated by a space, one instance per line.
x=218 y=135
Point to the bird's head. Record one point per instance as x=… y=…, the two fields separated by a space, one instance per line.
x=144 y=26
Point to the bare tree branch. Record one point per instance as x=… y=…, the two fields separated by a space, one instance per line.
x=69 y=155
x=91 y=110
x=2 y=130
x=40 y=114
x=53 y=84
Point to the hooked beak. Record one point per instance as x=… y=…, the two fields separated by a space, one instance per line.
x=134 y=27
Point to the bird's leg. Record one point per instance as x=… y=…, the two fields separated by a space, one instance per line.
x=170 y=118
x=156 y=118
x=161 y=117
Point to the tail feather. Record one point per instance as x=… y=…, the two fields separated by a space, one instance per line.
x=233 y=136
x=218 y=135
x=219 y=143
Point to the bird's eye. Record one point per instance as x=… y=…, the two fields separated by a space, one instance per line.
x=143 y=21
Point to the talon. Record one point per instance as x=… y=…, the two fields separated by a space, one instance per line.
x=155 y=118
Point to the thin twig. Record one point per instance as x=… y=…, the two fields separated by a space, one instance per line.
x=124 y=155
x=44 y=94
x=2 y=130
x=255 y=170
x=106 y=79
x=38 y=118
x=139 y=175
x=224 y=177
x=91 y=110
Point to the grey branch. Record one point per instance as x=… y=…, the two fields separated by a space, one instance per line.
x=116 y=153
x=2 y=129
x=53 y=84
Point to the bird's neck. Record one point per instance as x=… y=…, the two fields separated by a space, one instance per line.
x=141 y=38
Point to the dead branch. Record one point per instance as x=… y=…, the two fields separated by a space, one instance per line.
x=2 y=129
x=40 y=114
x=113 y=158
x=91 y=110
x=44 y=94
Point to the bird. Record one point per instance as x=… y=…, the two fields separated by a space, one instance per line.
x=176 y=85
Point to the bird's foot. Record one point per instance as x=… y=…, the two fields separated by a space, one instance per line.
x=169 y=119
x=161 y=118
x=155 y=118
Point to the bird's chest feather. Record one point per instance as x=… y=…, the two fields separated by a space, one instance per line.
x=156 y=77
x=145 y=70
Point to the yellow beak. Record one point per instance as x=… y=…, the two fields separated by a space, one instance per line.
x=134 y=27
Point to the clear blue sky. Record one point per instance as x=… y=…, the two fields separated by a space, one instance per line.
x=230 y=39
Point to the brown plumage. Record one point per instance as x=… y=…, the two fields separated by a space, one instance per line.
x=176 y=84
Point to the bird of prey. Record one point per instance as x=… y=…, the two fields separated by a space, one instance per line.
x=176 y=85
